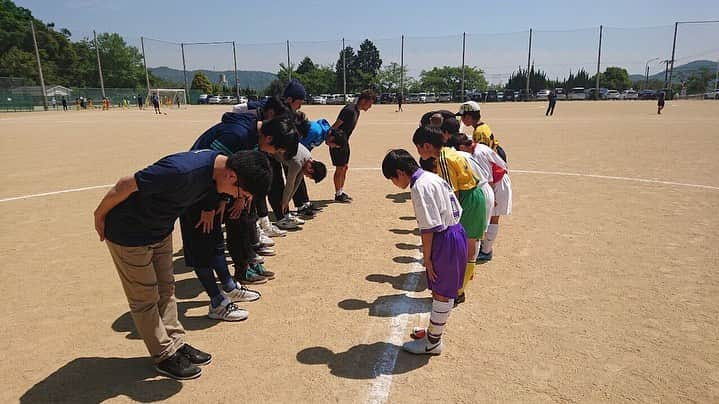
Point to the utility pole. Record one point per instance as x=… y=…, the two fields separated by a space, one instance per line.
x=344 y=71
x=237 y=81
x=39 y=66
x=668 y=83
x=464 y=38
x=401 y=70
x=144 y=62
x=99 y=66
x=529 y=58
x=184 y=72
x=289 y=66
x=599 y=62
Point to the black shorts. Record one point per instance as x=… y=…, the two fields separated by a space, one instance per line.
x=340 y=156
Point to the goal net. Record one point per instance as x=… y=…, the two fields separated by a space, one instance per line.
x=169 y=97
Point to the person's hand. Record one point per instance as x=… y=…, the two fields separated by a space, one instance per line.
x=100 y=226
x=237 y=207
x=430 y=270
x=207 y=219
x=285 y=208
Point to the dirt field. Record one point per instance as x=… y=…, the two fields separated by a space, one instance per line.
x=601 y=289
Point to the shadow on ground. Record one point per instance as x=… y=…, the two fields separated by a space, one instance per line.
x=390 y=305
x=179 y=267
x=409 y=247
x=401 y=197
x=403 y=259
x=410 y=282
x=360 y=361
x=94 y=380
x=124 y=323
x=414 y=231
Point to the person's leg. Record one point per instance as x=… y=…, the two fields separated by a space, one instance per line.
x=551 y=113
x=492 y=231
x=139 y=281
x=548 y=108
x=277 y=188
x=301 y=196
x=167 y=305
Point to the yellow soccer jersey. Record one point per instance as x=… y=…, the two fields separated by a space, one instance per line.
x=483 y=134
x=455 y=170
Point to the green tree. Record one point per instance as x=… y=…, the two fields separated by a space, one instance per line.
x=615 y=78
x=448 y=78
x=201 y=82
x=306 y=66
x=699 y=81
x=275 y=88
x=367 y=65
x=350 y=62
x=389 y=77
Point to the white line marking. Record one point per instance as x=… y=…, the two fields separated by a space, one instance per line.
x=382 y=384
x=605 y=177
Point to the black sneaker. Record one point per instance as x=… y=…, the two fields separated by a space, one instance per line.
x=196 y=357
x=484 y=257
x=460 y=299
x=178 y=367
x=306 y=212
x=343 y=198
x=313 y=207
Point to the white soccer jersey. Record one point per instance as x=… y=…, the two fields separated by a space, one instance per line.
x=435 y=205
x=485 y=156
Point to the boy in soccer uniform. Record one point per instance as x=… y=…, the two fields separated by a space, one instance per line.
x=444 y=242
x=498 y=176
x=136 y=218
x=482 y=133
x=455 y=169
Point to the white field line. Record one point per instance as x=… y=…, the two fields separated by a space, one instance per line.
x=605 y=177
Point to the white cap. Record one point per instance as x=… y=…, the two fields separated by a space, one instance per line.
x=238 y=108
x=469 y=106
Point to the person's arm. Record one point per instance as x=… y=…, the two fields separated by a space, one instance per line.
x=122 y=190
x=427 y=239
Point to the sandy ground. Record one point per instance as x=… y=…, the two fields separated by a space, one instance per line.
x=600 y=290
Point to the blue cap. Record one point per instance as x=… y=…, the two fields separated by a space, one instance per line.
x=296 y=90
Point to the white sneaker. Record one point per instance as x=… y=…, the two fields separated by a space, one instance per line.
x=242 y=294
x=267 y=251
x=296 y=219
x=286 y=223
x=423 y=347
x=227 y=311
x=266 y=241
x=273 y=231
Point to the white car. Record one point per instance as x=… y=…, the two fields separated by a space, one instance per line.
x=629 y=95
x=214 y=99
x=577 y=93
x=613 y=95
x=445 y=97
x=543 y=94
x=319 y=99
x=242 y=100
x=413 y=98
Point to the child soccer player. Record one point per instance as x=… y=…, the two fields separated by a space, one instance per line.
x=660 y=102
x=444 y=242
x=456 y=171
x=498 y=176
x=471 y=116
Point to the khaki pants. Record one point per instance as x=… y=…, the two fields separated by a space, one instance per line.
x=147 y=277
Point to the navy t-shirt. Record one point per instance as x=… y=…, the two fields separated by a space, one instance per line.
x=349 y=116
x=235 y=132
x=165 y=190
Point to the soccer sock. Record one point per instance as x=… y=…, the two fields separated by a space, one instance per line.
x=339 y=192
x=489 y=238
x=216 y=300
x=219 y=263
x=468 y=274
x=438 y=319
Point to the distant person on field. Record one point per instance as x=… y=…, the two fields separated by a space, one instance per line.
x=660 y=102
x=177 y=100
x=347 y=121
x=64 y=103
x=156 y=102
x=444 y=243
x=139 y=101
x=54 y=103
x=552 y=102
x=399 y=102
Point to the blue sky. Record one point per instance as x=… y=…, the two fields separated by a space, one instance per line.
x=497 y=40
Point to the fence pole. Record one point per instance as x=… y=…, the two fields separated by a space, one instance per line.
x=464 y=38
x=401 y=70
x=289 y=66
x=237 y=81
x=99 y=66
x=599 y=61
x=344 y=71
x=529 y=60
x=184 y=73
x=671 y=69
x=39 y=66
x=144 y=62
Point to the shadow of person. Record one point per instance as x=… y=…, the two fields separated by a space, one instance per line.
x=188 y=288
x=411 y=281
x=94 y=380
x=362 y=361
x=403 y=259
x=390 y=305
x=180 y=267
x=401 y=197
x=407 y=246
x=407 y=218
x=124 y=323
x=414 y=231
x=179 y=253
x=323 y=203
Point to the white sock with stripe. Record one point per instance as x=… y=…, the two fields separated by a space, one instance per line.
x=438 y=319
x=489 y=237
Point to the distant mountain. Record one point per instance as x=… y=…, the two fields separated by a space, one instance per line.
x=252 y=79
x=680 y=72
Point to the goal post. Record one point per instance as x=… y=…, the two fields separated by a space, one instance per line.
x=169 y=97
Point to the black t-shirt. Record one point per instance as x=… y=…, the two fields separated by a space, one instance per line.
x=424 y=120
x=349 y=117
x=166 y=189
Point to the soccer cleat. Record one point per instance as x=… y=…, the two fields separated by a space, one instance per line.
x=423 y=347
x=195 y=356
x=460 y=299
x=227 y=311
x=250 y=277
x=242 y=294
x=259 y=269
x=266 y=251
x=418 y=333
x=484 y=257
x=178 y=367
x=343 y=198
x=273 y=231
x=286 y=223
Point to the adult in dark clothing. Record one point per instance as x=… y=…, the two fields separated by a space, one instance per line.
x=552 y=103
x=140 y=101
x=64 y=104
x=660 y=102
x=399 y=102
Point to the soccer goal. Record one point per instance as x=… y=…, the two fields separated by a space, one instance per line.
x=169 y=97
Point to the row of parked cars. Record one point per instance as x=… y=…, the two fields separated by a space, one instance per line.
x=220 y=99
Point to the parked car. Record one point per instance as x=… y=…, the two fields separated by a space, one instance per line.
x=591 y=94
x=319 y=99
x=202 y=99
x=413 y=98
x=214 y=99
x=712 y=95
x=613 y=95
x=508 y=95
x=647 y=94
x=492 y=96
x=577 y=93
x=629 y=95
x=560 y=93
x=444 y=97
x=543 y=94
x=500 y=95
x=525 y=95
x=387 y=98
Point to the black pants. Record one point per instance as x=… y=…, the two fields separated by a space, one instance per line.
x=241 y=236
x=277 y=188
x=301 y=197
x=550 y=109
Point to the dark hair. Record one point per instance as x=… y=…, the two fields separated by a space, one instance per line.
x=450 y=125
x=458 y=139
x=277 y=105
x=476 y=115
x=398 y=159
x=427 y=164
x=254 y=173
x=319 y=171
x=340 y=137
x=426 y=134
x=301 y=123
x=367 y=95
x=284 y=134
